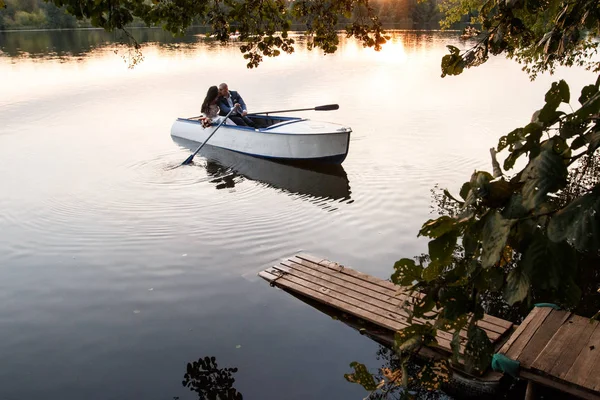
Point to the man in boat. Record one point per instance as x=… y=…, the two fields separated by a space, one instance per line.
x=230 y=99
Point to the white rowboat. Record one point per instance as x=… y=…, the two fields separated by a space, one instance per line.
x=280 y=138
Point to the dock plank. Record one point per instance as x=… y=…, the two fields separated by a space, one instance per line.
x=376 y=284
x=577 y=342
x=541 y=338
x=564 y=347
x=360 y=308
x=349 y=291
x=528 y=331
x=363 y=293
x=491 y=325
x=331 y=298
x=353 y=291
x=390 y=303
x=396 y=296
x=349 y=271
x=584 y=370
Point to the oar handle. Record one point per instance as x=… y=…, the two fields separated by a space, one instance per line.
x=327 y=107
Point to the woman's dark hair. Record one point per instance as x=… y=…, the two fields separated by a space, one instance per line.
x=213 y=93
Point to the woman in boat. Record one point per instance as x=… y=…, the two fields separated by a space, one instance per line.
x=210 y=109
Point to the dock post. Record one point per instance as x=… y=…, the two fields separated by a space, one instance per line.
x=530 y=392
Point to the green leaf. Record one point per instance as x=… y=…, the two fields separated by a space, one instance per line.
x=480 y=187
x=437 y=227
x=406 y=272
x=514 y=209
x=533 y=129
x=448 y=195
x=424 y=306
x=588 y=109
x=464 y=190
x=579 y=223
x=453 y=63
x=480 y=181
x=493 y=237
x=472 y=237
x=587 y=93
x=578 y=143
x=559 y=92
x=455 y=302
x=412 y=337
x=513 y=137
x=544 y=174
x=499 y=192
x=509 y=162
x=433 y=271
x=532 y=134
x=569 y=128
x=453 y=50
x=517 y=286
x=457 y=275
x=441 y=249
x=361 y=376
x=478 y=351
x=549 y=117
x=455 y=345
x=433 y=374
x=547 y=263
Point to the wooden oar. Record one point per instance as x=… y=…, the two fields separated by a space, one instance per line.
x=190 y=158
x=327 y=107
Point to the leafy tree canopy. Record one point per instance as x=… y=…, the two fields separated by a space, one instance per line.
x=540 y=34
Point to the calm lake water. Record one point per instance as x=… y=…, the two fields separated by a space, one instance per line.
x=116 y=270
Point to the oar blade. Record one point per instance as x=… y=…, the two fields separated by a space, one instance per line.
x=189 y=159
x=328 y=107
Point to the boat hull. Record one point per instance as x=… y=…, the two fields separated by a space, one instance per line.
x=293 y=141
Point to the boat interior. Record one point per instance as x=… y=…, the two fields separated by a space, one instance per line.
x=268 y=121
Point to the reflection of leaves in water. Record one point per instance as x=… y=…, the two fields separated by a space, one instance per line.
x=132 y=50
x=210 y=382
x=387 y=382
x=361 y=376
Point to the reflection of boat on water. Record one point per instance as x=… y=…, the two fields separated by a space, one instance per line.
x=228 y=167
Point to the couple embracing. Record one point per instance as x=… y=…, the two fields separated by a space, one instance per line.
x=219 y=101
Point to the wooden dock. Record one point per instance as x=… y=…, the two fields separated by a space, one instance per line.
x=558 y=349
x=364 y=296
x=555 y=348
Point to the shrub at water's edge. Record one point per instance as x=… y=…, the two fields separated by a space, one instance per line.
x=531 y=236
